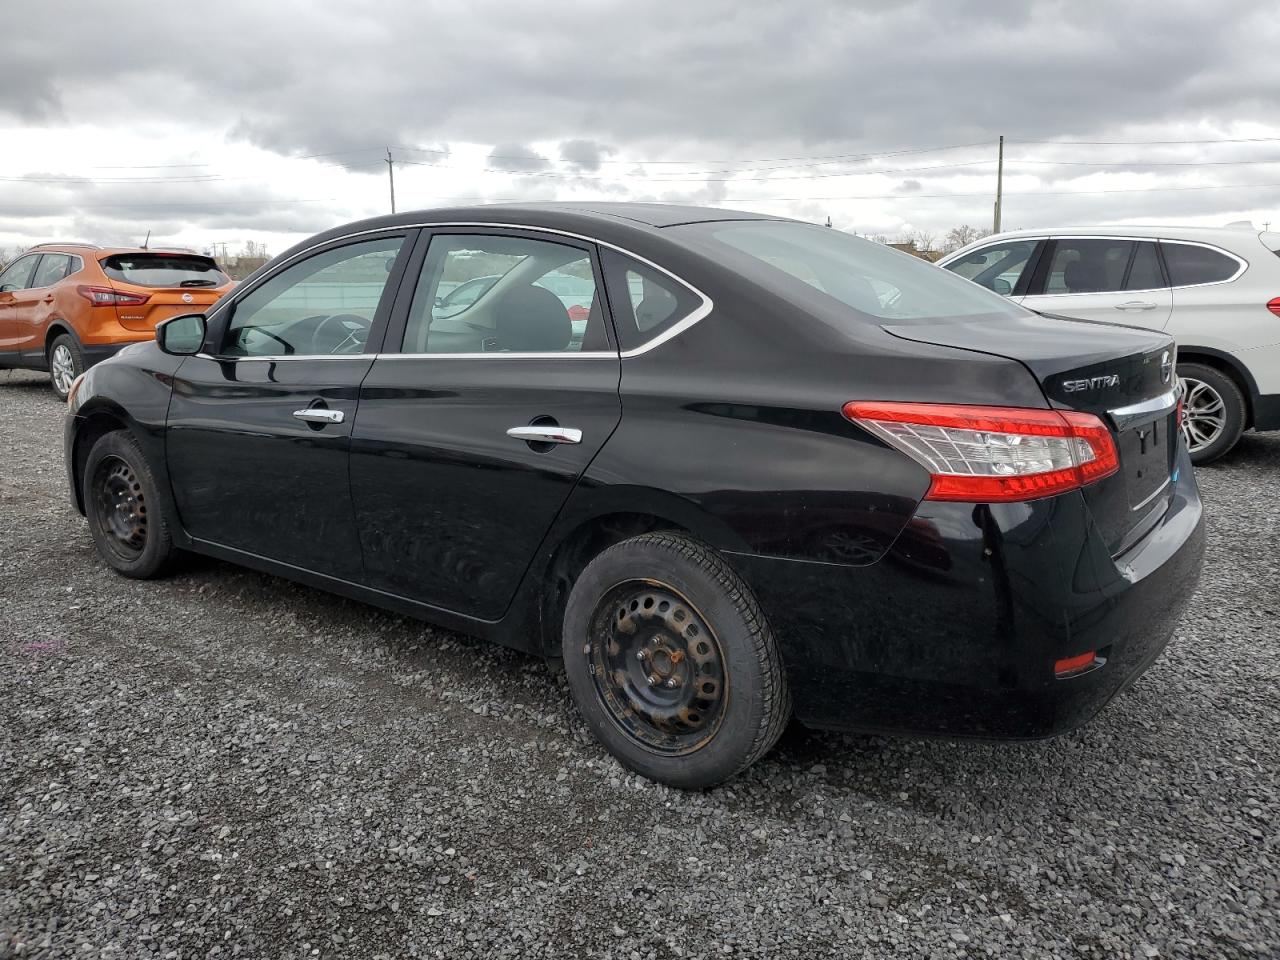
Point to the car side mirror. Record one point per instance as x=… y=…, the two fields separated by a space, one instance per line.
x=182 y=336
x=1001 y=286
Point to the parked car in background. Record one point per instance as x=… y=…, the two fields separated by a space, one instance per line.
x=66 y=306
x=781 y=465
x=1216 y=290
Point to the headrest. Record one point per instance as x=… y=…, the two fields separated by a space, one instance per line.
x=532 y=319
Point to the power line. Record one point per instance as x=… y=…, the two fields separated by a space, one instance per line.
x=162 y=203
x=832 y=158
x=1151 y=143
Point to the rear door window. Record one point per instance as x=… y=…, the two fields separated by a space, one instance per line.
x=1085 y=265
x=53 y=267
x=163 y=270
x=1190 y=264
x=493 y=293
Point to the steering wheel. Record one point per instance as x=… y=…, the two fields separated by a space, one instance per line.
x=354 y=329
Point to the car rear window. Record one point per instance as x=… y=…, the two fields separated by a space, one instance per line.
x=163 y=270
x=870 y=277
x=1190 y=264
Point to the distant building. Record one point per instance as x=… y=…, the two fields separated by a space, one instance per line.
x=933 y=256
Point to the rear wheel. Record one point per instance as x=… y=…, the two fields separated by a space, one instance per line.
x=66 y=362
x=671 y=662
x=126 y=517
x=1213 y=411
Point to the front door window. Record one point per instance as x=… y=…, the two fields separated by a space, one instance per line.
x=324 y=305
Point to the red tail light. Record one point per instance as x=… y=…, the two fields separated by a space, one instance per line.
x=1274 y=305
x=980 y=454
x=106 y=297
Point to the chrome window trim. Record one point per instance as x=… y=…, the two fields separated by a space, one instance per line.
x=1124 y=417
x=287 y=356
x=679 y=327
x=1244 y=264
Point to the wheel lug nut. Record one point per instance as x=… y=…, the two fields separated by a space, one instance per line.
x=671 y=682
x=650 y=680
x=640 y=655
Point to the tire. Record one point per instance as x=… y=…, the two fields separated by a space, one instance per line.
x=1213 y=412
x=66 y=362
x=127 y=518
x=664 y=607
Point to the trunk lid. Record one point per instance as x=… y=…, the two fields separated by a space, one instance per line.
x=173 y=284
x=1123 y=375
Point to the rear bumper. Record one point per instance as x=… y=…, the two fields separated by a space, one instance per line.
x=957 y=629
x=1266 y=411
x=95 y=353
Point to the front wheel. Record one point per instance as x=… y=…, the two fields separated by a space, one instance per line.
x=1213 y=411
x=126 y=516
x=671 y=662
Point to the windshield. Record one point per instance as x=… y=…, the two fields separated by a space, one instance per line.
x=869 y=277
x=163 y=270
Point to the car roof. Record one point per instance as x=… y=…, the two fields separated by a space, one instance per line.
x=101 y=253
x=1157 y=232
x=605 y=221
x=1236 y=238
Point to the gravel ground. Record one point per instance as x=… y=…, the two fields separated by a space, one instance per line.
x=224 y=764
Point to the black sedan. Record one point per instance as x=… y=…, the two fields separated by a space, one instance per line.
x=779 y=470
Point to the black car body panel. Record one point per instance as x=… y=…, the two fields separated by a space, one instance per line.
x=894 y=612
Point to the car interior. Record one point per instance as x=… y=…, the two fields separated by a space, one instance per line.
x=512 y=314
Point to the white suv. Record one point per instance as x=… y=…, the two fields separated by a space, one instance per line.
x=1216 y=290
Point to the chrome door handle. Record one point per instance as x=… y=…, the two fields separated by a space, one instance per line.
x=546 y=434
x=319 y=415
x=1136 y=305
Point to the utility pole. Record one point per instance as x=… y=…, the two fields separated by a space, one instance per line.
x=999 y=184
x=391 y=177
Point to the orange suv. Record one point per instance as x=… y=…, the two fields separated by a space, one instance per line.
x=66 y=306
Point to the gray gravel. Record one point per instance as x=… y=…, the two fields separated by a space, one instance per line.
x=224 y=764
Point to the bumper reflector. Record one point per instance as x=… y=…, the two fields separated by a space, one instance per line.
x=1072 y=666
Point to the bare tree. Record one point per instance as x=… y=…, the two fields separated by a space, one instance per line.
x=958 y=237
x=923 y=239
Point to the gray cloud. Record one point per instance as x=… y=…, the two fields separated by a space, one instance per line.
x=720 y=82
x=518 y=158
x=583 y=154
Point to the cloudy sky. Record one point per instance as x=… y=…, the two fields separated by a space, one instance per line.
x=268 y=121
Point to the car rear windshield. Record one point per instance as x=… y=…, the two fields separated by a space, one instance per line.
x=870 y=277
x=163 y=270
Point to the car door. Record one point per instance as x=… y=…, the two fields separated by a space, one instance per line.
x=259 y=428
x=35 y=304
x=15 y=303
x=475 y=424
x=1109 y=279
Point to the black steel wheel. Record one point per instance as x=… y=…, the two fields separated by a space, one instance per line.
x=120 y=507
x=127 y=517
x=658 y=667
x=671 y=661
